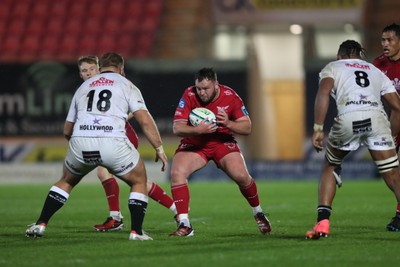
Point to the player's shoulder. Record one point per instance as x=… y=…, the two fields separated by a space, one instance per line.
x=226 y=90
x=380 y=58
x=190 y=91
x=330 y=65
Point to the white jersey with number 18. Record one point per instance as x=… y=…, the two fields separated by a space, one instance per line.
x=101 y=105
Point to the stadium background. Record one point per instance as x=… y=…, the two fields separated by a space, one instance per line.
x=270 y=52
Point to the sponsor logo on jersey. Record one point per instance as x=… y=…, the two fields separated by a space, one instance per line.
x=228 y=92
x=358 y=66
x=363 y=101
x=101 y=82
x=181 y=104
x=96 y=121
x=105 y=128
x=223 y=108
x=178 y=113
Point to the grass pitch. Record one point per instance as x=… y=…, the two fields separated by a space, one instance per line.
x=225 y=231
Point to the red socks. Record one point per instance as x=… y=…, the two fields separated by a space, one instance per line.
x=251 y=194
x=181 y=196
x=159 y=195
x=112 y=193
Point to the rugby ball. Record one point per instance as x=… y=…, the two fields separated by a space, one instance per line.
x=197 y=115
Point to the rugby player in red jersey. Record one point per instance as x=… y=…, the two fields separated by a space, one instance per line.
x=211 y=141
x=389 y=61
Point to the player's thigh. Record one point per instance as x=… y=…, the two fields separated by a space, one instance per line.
x=136 y=175
x=382 y=154
x=185 y=163
x=387 y=164
x=68 y=180
x=234 y=166
x=337 y=153
x=103 y=174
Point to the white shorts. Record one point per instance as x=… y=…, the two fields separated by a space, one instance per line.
x=84 y=154
x=369 y=128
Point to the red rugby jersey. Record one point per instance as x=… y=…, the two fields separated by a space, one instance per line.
x=390 y=68
x=227 y=100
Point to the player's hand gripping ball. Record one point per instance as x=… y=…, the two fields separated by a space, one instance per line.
x=197 y=115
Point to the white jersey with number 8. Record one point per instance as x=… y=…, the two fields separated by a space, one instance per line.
x=358 y=85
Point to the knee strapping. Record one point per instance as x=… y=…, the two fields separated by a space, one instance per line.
x=387 y=164
x=332 y=159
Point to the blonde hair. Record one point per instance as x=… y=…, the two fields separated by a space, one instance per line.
x=90 y=59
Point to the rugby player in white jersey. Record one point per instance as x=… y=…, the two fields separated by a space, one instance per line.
x=88 y=67
x=95 y=128
x=357 y=87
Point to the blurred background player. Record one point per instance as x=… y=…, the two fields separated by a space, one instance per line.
x=88 y=67
x=389 y=61
x=95 y=130
x=212 y=141
x=357 y=87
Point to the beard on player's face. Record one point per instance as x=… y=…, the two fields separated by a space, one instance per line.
x=206 y=96
x=206 y=91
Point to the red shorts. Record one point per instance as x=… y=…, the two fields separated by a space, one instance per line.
x=213 y=152
x=131 y=134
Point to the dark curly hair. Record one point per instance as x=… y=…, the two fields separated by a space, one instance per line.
x=351 y=48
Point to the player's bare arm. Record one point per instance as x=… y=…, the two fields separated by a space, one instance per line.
x=182 y=129
x=321 y=109
x=240 y=126
x=322 y=100
x=148 y=125
x=68 y=128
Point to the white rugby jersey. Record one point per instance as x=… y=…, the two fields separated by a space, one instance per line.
x=358 y=85
x=101 y=105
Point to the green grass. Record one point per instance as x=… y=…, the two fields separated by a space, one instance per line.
x=225 y=232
